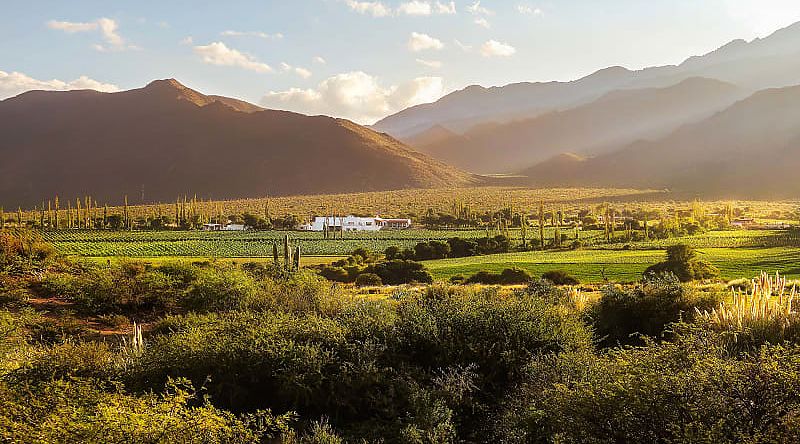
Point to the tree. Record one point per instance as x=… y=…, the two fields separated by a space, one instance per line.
x=368 y=280
x=399 y=272
x=462 y=247
x=256 y=222
x=392 y=253
x=682 y=261
x=116 y=222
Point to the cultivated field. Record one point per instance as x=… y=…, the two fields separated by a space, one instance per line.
x=594 y=266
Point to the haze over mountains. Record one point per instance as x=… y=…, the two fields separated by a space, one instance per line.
x=171 y=140
x=762 y=63
x=723 y=124
x=751 y=149
x=615 y=119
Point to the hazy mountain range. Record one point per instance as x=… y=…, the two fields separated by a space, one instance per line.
x=773 y=61
x=169 y=140
x=725 y=124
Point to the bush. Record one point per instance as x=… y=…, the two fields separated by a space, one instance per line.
x=689 y=390
x=434 y=362
x=623 y=314
x=22 y=251
x=87 y=411
x=222 y=289
x=335 y=274
x=398 y=272
x=127 y=287
x=462 y=247
x=560 y=277
x=682 y=262
x=368 y=280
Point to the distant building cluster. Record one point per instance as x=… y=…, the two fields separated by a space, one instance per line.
x=224 y=227
x=355 y=223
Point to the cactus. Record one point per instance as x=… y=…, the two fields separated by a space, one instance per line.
x=291 y=256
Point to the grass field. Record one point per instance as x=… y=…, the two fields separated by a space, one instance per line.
x=243 y=244
x=306 y=261
x=591 y=266
x=735 y=253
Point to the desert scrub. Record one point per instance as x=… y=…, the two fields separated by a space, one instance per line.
x=687 y=390
x=623 y=315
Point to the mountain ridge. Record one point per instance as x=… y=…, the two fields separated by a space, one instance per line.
x=173 y=140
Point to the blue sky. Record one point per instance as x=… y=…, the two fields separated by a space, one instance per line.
x=360 y=59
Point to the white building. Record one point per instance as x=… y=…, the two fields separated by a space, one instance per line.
x=354 y=223
x=226 y=227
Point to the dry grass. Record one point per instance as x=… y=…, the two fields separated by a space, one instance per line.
x=769 y=301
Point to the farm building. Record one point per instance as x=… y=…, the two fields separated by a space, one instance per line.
x=225 y=227
x=355 y=223
x=743 y=222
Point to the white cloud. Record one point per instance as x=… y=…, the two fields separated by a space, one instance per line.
x=356 y=96
x=529 y=10
x=72 y=27
x=14 y=83
x=375 y=9
x=493 y=48
x=415 y=7
x=482 y=22
x=435 y=64
x=259 y=34
x=477 y=9
x=480 y=14
x=420 y=7
x=108 y=30
x=445 y=8
x=408 y=7
x=421 y=42
x=763 y=17
x=320 y=61
x=218 y=54
x=302 y=72
x=464 y=47
x=188 y=40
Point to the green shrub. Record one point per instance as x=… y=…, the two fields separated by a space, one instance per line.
x=368 y=280
x=682 y=262
x=335 y=274
x=622 y=314
x=399 y=272
x=560 y=277
x=685 y=391
x=85 y=411
x=223 y=289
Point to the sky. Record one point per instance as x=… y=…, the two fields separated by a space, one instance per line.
x=357 y=59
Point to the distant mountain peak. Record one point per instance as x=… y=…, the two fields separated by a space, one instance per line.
x=173 y=89
x=166 y=84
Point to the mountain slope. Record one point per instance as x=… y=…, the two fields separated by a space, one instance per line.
x=169 y=140
x=617 y=118
x=461 y=110
x=751 y=149
x=769 y=62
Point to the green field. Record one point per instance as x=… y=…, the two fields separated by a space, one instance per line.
x=736 y=253
x=592 y=266
x=305 y=261
x=98 y=243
